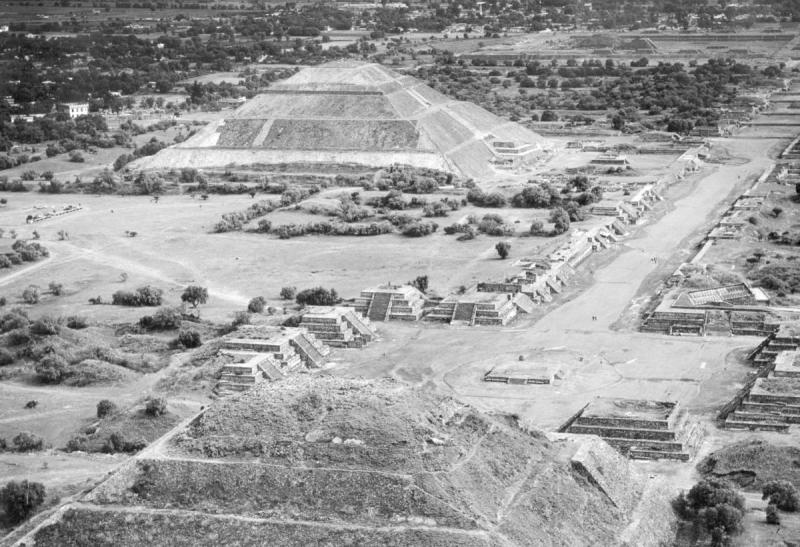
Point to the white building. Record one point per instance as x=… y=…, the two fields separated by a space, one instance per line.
x=74 y=109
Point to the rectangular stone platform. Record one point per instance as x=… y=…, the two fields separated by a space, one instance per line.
x=641 y=429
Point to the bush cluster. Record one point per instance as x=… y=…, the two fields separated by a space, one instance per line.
x=143 y=296
x=318 y=296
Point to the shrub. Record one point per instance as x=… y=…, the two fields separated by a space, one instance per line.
x=288 y=293
x=15 y=319
x=76 y=157
x=478 y=197
x=79 y=443
x=21 y=499
x=143 y=296
x=25 y=441
x=195 y=295
x=502 y=249
x=240 y=318
x=257 y=304
x=46 y=326
x=51 y=369
x=105 y=408
x=318 y=296
x=6 y=357
x=56 y=289
x=420 y=229
x=420 y=283
x=190 y=339
x=77 y=322
x=782 y=494
x=165 y=318
x=156 y=407
x=773 y=517
x=31 y=294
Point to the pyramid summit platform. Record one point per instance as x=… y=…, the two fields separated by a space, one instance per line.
x=357 y=113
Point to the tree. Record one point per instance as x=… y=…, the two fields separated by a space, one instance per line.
x=776 y=211
x=21 y=499
x=288 y=293
x=503 y=249
x=712 y=505
x=782 y=494
x=105 y=408
x=420 y=283
x=549 y=116
x=560 y=219
x=31 y=294
x=156 y=407
x=195 y=295
x=56 y=289
x=257 y=304
x=25 y=441
x=537 y=227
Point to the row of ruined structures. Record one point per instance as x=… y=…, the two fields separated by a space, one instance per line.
x=730 y=309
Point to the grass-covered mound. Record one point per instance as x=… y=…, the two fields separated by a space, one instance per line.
x=753 y=462
x=322 y=460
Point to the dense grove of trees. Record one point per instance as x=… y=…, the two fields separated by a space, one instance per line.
x=687 y=95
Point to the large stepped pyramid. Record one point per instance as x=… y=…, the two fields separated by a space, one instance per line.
x=356 y=113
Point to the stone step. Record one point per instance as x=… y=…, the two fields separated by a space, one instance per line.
x=659 y=455
x=624 y=432
x=644 y=444
x=756 y=426
x=749 y=416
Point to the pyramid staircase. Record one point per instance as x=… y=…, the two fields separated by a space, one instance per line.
x=311 y=350
x=241 y=376
x=464 y=312
x=379 y=306
x=363 y=332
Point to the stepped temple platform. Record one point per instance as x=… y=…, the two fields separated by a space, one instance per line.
x=641 y=429
x=389 y=302
x=480 y=308
x=338 y=327
x=267 y=353
x=523 y=372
